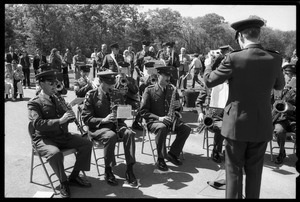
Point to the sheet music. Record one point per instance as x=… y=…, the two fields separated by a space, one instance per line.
x=219 y=95
x=124 y=112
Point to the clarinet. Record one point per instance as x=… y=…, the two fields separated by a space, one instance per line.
x=66 y=107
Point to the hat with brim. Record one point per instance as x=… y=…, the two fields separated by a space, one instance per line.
x=244 y=24
x=166 y=70
x=123 y=64
x=290 y=68
x=226 y=47
x=45 y=67
x=114 y=45
x=49 y=75
x=146 y=43
x=108 y=76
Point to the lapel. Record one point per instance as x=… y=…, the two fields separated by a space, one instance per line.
x=158 y=91
x=46 y=101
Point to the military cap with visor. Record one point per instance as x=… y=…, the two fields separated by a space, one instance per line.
x=167 y=70
x=49 y=75
x=146 y=43
x=85 y=67
x=123 y=64
x=248 y=23
x=289 y=67
x=107 y=76
x=114 y=45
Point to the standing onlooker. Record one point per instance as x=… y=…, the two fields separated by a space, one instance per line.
x=78 y=60
x=25 y=62
x=130 y=59
x=111 y=61
x=8 y=82
x=183 y=68
x=55 y=60
x=100 y=57
x=18 y=78
x=197 y=65
x=65 y=73
x=247 y=120
x=11 y=55
x=68 y=58
x=152 y=49
x=94 y=61
x=38 y=59
x=294 y=57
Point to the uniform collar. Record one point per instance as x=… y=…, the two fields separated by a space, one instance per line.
x=44 y=95
x=254 y=45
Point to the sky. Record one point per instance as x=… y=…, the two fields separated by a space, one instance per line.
x=282 y=17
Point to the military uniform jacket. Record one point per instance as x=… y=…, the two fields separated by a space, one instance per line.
x=155 y=103
x=45 y=118
x=96 y=107
x=83 y=87
x=217 y=61
x=252 y=73
x=109 y=63
x=139 y=58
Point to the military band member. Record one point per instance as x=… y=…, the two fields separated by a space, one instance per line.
x=111 y=61
x=252 y=73
x=171 y=58
x=285 y=122
x=83 y=84
x=141 y=58
x=224 y=50
x=155 y=107
x=98 y=114
x=50 y=121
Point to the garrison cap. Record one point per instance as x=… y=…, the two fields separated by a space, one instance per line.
x=123 y=64
x=167 y=70
x=243 y=24
x=146 y=43
x=290 y=67
x=114 y=45
x=48 y=75
x=108 y=76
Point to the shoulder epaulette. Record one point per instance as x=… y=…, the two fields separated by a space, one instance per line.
x=234 y=51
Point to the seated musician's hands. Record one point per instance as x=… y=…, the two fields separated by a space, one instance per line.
x=109 y=118
x=68 y=116
x=165 y=119
x=177 y=104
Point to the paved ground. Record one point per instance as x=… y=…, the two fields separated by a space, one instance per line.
x=186 y=181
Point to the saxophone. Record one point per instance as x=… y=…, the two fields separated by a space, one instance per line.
x=171 y=112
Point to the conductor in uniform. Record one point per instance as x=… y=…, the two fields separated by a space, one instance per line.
x=50 y=122
x=99 y=116
x=111 y=60
x=252 y=73
x=155 y=108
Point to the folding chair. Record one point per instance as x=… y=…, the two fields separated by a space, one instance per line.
x=206 y=139
x=293 y=135
x=43 y=162
x=149 y=139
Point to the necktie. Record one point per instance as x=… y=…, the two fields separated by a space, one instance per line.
x=52 y=99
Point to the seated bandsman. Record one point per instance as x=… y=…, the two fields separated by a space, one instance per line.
x=159 y=107
x=83 y=84
x=99 y=114
x=284 y=120
x=50 y=121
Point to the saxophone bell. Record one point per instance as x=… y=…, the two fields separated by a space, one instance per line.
x=282 y=106
x=59 y=86
x=208 y=121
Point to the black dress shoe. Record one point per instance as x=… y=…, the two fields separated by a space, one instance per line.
x=136 y=126
x=216 y=156
x=65 y=190
x=280 y=157
x=172 y=158
x=219 y=184
x=78 y=181
x=130 y=178
x=110 y=178
x=161 y=165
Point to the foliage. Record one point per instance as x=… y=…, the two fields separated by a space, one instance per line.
x=87 y=26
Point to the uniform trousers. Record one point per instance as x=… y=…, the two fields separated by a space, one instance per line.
x=280 y=132
x=248 y=156
x=109 y=138
x=50 y=148
x=161 y=131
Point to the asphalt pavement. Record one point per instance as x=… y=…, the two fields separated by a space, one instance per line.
x=186 y=181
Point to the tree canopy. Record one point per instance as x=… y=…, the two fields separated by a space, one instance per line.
x=87 y=26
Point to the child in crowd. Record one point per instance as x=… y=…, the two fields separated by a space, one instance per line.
x=18 y=79
x=9 y=86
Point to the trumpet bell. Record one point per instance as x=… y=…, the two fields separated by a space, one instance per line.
x=208 y=121
x=282 y=106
